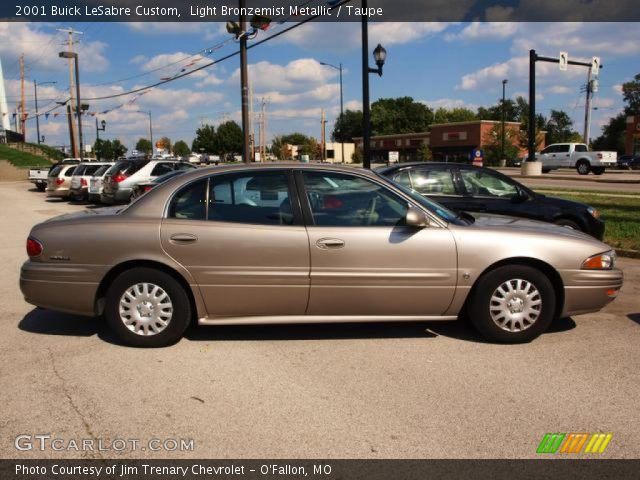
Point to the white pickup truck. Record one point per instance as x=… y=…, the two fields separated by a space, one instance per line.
x=575 y=155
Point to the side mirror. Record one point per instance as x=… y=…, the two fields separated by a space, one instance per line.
x=520 y=196
x=416 y=218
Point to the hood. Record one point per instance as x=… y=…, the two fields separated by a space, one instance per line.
x=563 y=203
x=526 y=225
x=86 y=213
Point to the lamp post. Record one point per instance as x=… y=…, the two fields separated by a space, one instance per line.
x=504 y=84
x=78 y=106
x=35 y=89
x=379 y=55
x=339 y=68
x=103 y=123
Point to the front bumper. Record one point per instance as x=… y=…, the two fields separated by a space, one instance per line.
x=589 y=291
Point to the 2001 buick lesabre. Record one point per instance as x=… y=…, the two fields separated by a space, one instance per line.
x=309 y=243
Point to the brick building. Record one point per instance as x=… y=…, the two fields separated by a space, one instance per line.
x=447 y=141
x=632 y=137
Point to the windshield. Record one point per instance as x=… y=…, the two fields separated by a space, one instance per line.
x=434 y=207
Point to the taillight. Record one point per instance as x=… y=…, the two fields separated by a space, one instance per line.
x=147 y=188
x=600 y=156
x=34 y=247
x=118 y=178
x=59 y=181
x=83 y=182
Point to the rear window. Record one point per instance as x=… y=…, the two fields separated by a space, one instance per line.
x=162 y=168
x=581 y=148
x=55 y=171
x=100 y=171
x=126 y=167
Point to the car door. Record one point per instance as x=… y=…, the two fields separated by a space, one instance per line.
x=563 y=155
x=364 y=260
x=241 y=237
x=491 y=192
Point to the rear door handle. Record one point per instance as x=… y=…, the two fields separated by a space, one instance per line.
x=183 y=238
x=327 y=243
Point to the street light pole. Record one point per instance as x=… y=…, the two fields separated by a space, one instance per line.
x=35 y=90
x=78 y=106
x=339 y=68
x=244 y=86
x=504 y=83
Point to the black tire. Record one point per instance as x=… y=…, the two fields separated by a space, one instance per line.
x=41 y=187
x=479 y=307
x=177 y=323
x=598 y=170
x=566 y=222
x=583 y=167
x=546 y=170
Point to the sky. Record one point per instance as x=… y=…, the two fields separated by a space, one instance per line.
x=440 y=64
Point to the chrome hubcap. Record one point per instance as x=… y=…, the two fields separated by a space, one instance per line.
x=515 y=305
x=145 y=309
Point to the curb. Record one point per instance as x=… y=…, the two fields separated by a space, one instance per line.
x=623 y=252
x=594 y=180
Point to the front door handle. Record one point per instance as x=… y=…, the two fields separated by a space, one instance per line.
x=327 y=243
x=183 y=238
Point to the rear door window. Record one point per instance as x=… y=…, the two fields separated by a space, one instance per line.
x=562 y=148
x=70 y=171
x=162 y=168
x=581 y=148
x=433 y=181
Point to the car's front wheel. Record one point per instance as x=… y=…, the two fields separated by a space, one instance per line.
x=512 y=304
x=147 y=308
x=583 y=167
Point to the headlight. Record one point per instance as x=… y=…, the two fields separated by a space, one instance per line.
x=602 y=261
x=593 y=212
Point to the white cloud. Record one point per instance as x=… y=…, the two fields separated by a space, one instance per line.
x=40 y=48
x=449 y=103
x=617 y=88
x=485 y=31
x=559 y=89
x=297 y=75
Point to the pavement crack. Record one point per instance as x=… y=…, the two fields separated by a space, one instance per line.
x=70 y=399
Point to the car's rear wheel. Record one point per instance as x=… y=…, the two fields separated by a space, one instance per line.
x=546 y=170
x=583 y=167
x=41 y=187
x=512 y=304
x=147 y=308
x=598 y=170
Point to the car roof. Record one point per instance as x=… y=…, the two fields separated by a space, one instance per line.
x=399 y=166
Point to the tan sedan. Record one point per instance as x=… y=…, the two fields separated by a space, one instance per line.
x=59 y=181
x=305 y=243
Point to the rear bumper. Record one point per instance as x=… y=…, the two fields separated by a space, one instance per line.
x=66 y=288
x=589 y=291
x=58 y=192
x=122 y=195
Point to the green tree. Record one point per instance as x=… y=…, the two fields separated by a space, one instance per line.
x=347 y=126
x=356 y=156
x=229 y=138
x=399 y=115
x=206 y=140
x=493 y=145
x=181 y=149
x=456 y=114
x=424 y=153
x=511 y=111
x=144 y=145
x=118 y=149
x=559 y=128
x=613 y=134
x=631 y=95
x=103 y=149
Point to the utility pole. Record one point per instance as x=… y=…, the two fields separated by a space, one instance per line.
x=72 y=138
x=150 y=131
x=71 y=32
x=366 y=113
x=252 y=137
x=263 y=143
x=587 y=108
x=23 y=115
x=323 y=141
x=35 y=94
x=244 y=84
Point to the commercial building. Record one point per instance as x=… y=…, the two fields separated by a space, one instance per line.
x=447 y=141
x=632 y=137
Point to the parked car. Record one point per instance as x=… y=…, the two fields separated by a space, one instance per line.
x=575 y=155
x=144 y=187
x=95 y=183
x=79 y=189
x=463 y=187
x=309 y=243
x=59 y=181
x=118 y=185
x=39 y=176
x=629 y=162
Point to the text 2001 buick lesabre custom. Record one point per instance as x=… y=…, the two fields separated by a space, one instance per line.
x=307 y=243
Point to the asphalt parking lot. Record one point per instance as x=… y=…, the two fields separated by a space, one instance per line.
x=423 y=390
